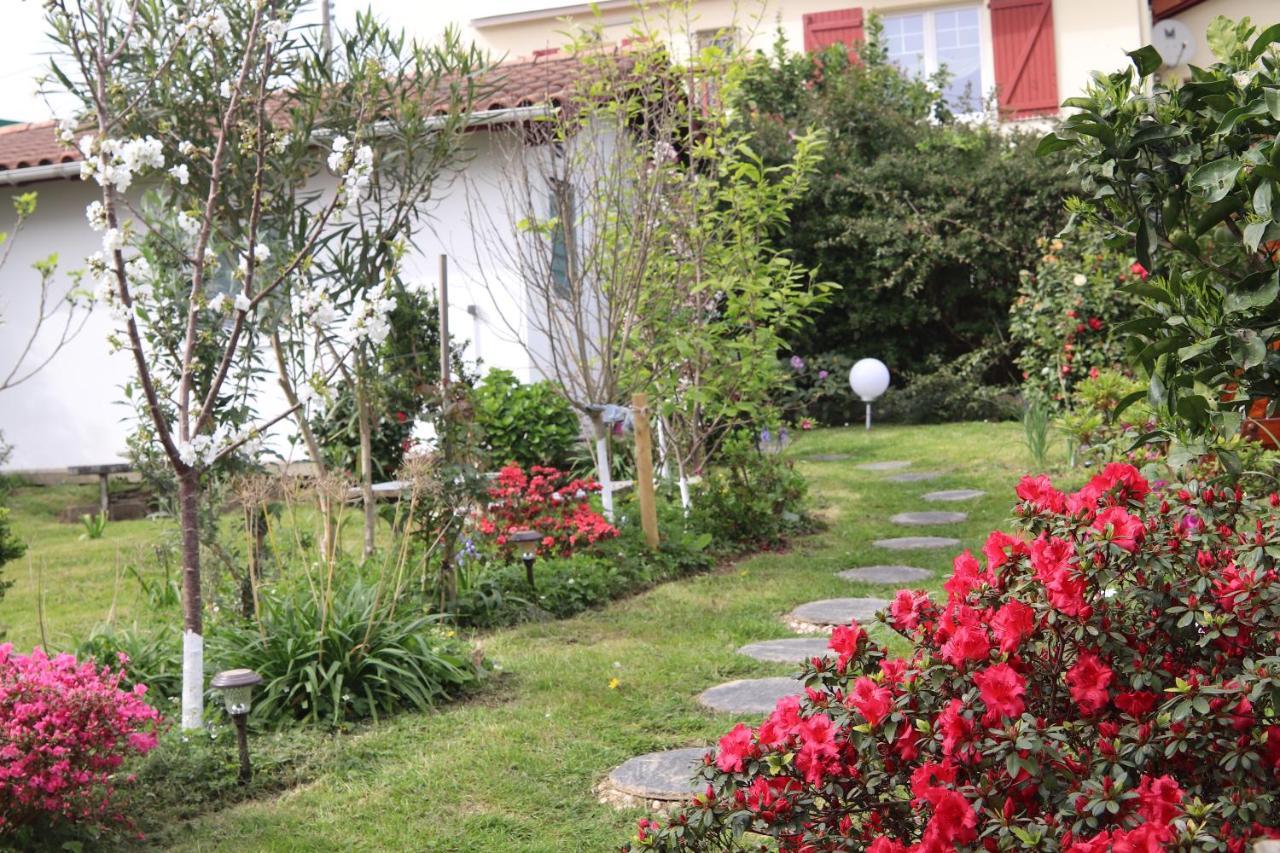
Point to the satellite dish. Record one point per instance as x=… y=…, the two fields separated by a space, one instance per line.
x=1173 y=40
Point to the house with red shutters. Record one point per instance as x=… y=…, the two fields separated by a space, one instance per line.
x=1026 y=56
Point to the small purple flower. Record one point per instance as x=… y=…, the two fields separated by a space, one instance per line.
x=764 y=436
x=797 y=363
x=822 y=374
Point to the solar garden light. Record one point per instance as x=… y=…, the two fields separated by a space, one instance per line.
x=869 y=378
x=237 y=695
x=527 y=543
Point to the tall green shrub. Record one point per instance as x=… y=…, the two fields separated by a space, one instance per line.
x=923 y=220
x=526 y=424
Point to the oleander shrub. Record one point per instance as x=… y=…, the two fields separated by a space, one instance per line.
x=66 y=727
x=1105 y=677
x=524 y=424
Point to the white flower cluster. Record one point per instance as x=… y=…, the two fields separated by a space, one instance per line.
x=370 y=319
x=117 y=161
x=188 y=224
x=67 y=131
x=97 y=216
x=181 y=173
x=317 y=305
x=213 y=22
x=275 y=30
x=203 y=449
x=355 y=168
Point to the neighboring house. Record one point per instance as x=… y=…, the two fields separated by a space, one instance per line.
x=1031 y=53
x=71 y=413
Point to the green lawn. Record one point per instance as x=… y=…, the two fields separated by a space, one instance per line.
x=514 y=767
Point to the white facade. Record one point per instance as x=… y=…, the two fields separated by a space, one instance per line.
x=72 y=412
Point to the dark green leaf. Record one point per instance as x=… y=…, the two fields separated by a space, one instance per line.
x=1214 y=180
x=1147 y=60
x=1256 y=291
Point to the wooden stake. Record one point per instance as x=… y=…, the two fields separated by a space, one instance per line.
x=448 y=580
x=644 y=469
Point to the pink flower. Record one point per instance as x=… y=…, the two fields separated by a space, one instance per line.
x=1123 y=529
x=844 y=642
x=1002 y=689
x=1012 y=624
x=1040 y=493
x=1088 y=681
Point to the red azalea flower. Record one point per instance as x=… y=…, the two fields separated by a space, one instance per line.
x=1125 y=530
x=1040 y=493
x=953 y=821
x=1000 y=548
x=956 y=729
x=1012 y=624
x=781 y=725
x=968 y=643
x=1139 y=270
x=1001 y=689
x=735 y=749
x=844 y=641
x=872 y=701
x=966 y=574
x=1088 y=681
x=1160 y=799
x=884 y=844
x=906 y=608
x=1137 y=703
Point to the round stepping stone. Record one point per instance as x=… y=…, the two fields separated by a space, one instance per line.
x=914 y=476
x=821 y=615
x=828 y=457
x=885 y=574
x=750 y=695
x=929 y=517
x=666 y=776
x=910 y=543
x=955 y=495
x=791 y=650
x=883 y=466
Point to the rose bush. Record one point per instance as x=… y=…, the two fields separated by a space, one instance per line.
x=65 y=729
x=1104 y=678
x=549 y=501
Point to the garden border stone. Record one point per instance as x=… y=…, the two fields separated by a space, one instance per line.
x=885 y=574
x=954 y=495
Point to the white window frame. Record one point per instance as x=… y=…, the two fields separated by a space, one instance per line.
x=985 y=50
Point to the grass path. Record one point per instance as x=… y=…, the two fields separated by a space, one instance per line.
x=514 y=768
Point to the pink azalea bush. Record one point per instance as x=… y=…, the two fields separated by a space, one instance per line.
x=1104 y=678
x=549 y=501
x=65 y=729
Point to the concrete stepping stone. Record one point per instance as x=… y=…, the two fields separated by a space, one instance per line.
x=654 y=779
x=911 y=543
x=929 y=517
x=749 y=695
x=819 y=616
x=885 y=574
x=791 y=650
x=955 y=495
x=827 y=457
x=914 y=476
x=884 y=466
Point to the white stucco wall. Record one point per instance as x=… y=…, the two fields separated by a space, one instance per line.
x=1264 y=13
x=71 y=413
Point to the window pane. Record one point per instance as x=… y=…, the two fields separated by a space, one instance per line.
x=960 y=51
x=904 y=40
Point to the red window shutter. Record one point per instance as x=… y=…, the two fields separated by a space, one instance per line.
x=1026 y=64
x=841 y=26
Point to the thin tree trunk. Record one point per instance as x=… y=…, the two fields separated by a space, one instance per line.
x=192 y=609
x=363 y=416
x=603 y=470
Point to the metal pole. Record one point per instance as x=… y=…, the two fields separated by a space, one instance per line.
x=246 y=771
x=868 y=415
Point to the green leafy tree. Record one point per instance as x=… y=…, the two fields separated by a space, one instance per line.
x=1188 y=173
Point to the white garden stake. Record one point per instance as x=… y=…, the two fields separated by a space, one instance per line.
x=869 y=378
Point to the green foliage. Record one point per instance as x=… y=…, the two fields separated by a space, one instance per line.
x=923 y=220
x=1188 y=173
x=749 y=498
x=357 y=652
x=1066 y=316
x=1098 y=425
x=1036 y=426
x=151 y=657
x=526 y=424
x=11 y=548
x=953 y=391
x=95 y=525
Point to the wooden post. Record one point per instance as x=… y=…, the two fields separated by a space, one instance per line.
x=448 y=581
x=644 y=469
x=104 y=494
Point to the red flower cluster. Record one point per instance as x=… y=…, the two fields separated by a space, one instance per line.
x=1112 y=663
x=546 y=500
x=65 y=729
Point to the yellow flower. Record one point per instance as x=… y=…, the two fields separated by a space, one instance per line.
x=451 y=633
x=614 y=683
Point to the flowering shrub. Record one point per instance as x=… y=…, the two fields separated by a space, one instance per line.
x=546 y=500
x=1066 y=312
x=65 y=729
x=1098 y=430
x=1105 y=678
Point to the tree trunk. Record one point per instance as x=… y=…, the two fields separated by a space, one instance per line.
x=363 y=416
x=603 y=470
x=192 y=609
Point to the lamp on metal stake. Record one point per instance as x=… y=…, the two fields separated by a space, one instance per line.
x=869 y=378
x=237 y=695
x=526 y=542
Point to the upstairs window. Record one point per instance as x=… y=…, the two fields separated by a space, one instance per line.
x=922 y=43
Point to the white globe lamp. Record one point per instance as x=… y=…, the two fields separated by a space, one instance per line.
x=869 y=378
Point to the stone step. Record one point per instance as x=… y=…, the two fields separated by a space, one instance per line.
x=749 y=695
x=825 y=457
x=791 y=650
x=891 y=465
x=914 y=476
x=954 y=495
x=915 y=543
x=654 y=779
x=929 y=517
x=885 y=574
x=821 y=616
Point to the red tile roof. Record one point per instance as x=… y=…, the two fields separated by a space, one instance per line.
x=514 y=84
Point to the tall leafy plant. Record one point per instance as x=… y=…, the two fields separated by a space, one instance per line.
x=1189 y=174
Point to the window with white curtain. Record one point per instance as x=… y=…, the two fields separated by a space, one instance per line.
x=921 y=43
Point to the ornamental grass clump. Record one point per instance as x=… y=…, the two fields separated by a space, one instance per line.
x=1103 y=678
x=65 y=730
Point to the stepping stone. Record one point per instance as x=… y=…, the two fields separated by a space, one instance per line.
x=914 y=476
x=929 y=517
x=827 y=457
x=955 y=495
x=910 y=543
x=885 y=574
x=664 y=776
x=750 y=695
x=819 y=616
x=792 y=650
x=883 y=466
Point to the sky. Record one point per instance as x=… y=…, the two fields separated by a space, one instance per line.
x=24 y=47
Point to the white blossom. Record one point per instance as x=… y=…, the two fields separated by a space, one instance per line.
x=67 y=131
x=186 y=148
x=139 y=270
x=97 y=216
x=242 y=301
x=189 y=224
x=261 y=252
x=275 y=29
x=118 y=160
x=356 y=179
x=219 y=303
x=216 y=24
x=181 y=173
x=338 y=154
x=370 y=320
x=1079 y=280
x=112 y=240
x=225 y=89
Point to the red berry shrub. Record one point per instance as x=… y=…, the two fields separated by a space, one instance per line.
x=546 y=500
x=1106 y=678
x=65 y=729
